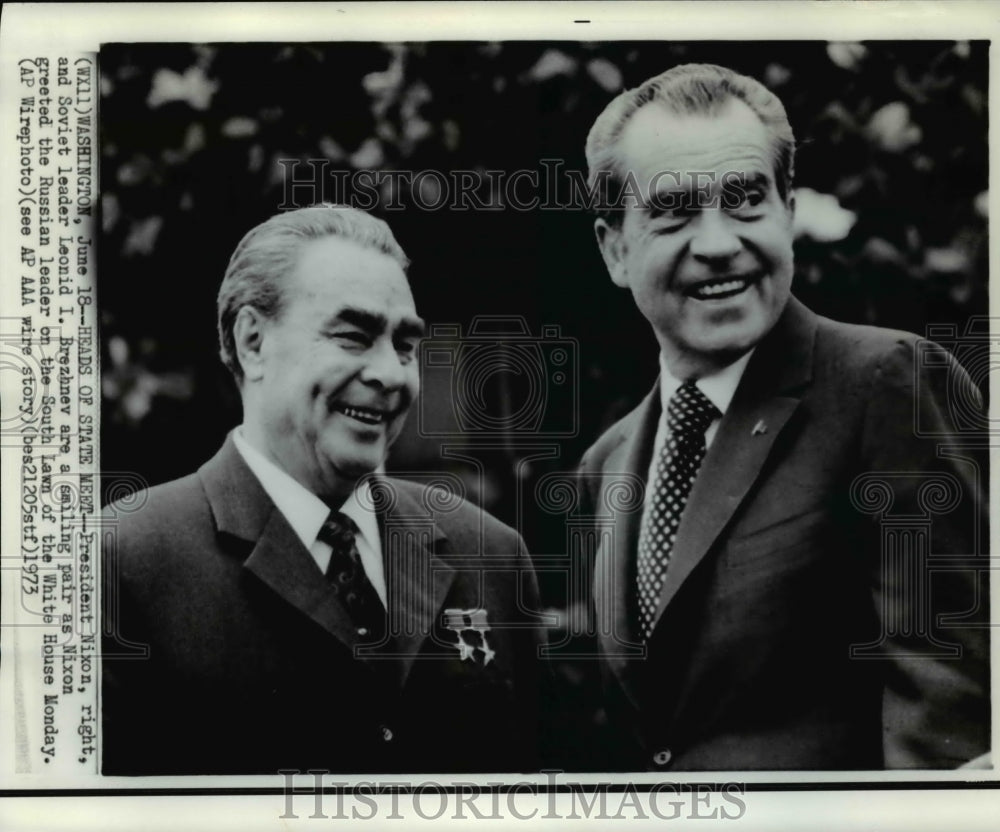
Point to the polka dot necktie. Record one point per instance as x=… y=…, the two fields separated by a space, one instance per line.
x=689 y=414
x=347 y=578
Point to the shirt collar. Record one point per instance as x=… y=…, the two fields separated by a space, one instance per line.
x=304 y=511
x=719 y=387
x=359 y=506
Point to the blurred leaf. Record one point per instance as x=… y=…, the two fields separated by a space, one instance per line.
x=881 y=252
x=553 y=62
x=451 y=134
x=821 y=217
x=847 y=55
x=368 y=156
x=117 y=351
x=194 y=139
x=848 y=186
x=387 y=83
x=239 y=127
x=946 y=260
x=331 y=150
x=110 y=211
x=982 y=204
x=255 y=159
x=142 y=236
x=975 y=98
x=134 y=171
x=776 y=75
x=416 y=130
x=193 y=88
x=605 y=73
x=892 y=128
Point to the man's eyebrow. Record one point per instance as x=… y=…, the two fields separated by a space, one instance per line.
x=371 y=322
x=411 y=328
x=669 y=197
x=375 y=323
x=758 y=179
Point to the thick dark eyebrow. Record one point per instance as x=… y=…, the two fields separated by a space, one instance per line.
x=371 y=322
x=375 y=324
x=411 y=328
x=754 y=180
x=757 y=180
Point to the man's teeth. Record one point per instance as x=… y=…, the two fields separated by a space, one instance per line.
x=363 y=414
x=715 y=290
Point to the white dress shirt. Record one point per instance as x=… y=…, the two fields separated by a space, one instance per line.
x=306 y=513
x=719 y=388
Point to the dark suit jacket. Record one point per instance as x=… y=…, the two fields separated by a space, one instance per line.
x=227 y=653
x=824 y=607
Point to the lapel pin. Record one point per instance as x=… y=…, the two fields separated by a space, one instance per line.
x=760 y=428
x=476 y=620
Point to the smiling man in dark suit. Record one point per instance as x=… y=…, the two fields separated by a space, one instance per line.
x=804 y=584
x=287 y=606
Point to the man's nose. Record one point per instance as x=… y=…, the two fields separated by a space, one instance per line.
x=715 y=238
x=384 y=366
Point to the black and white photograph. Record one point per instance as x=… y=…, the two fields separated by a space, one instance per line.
x=480 y=418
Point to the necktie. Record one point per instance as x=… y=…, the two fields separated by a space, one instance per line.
x=347 y=576
x=688 y=416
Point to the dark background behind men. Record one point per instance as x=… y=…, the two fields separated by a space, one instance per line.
x=191 y=137
x=894 y=133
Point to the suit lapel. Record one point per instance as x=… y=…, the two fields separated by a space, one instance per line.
x=417 y=580
x=767 y=396
x=281 y=561
x=612 y=588
x=242 y=509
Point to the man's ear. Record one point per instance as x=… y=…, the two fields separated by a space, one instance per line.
x=612 y=244
x=248 y=338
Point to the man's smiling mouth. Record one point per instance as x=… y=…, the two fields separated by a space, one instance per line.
x=365 y=415
x=722 y=288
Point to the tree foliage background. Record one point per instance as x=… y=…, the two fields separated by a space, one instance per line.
x=198 y=142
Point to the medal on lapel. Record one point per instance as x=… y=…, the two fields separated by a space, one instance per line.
x=476 y=620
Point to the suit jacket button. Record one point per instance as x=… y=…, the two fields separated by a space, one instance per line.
x=362 y=631
x=661 y=758
x=386 y=733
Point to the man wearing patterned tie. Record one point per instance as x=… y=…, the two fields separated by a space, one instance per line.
x=758 y=610
x=288 y=606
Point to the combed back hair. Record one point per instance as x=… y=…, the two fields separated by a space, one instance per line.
x=268 y=253
x=689 y=89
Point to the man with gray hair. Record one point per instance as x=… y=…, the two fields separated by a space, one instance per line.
x=805 y=583
x=288 y=606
